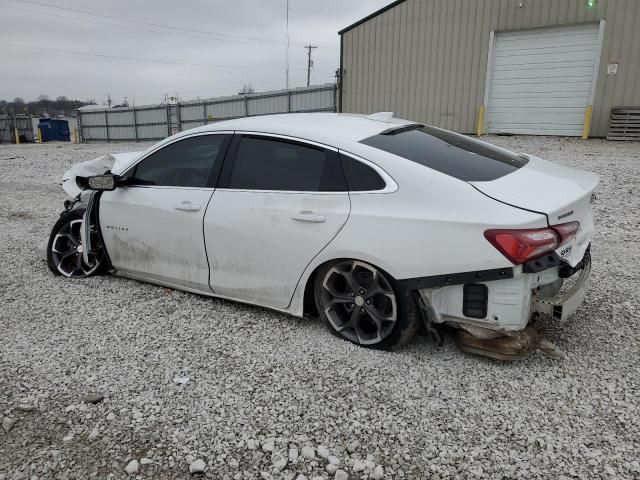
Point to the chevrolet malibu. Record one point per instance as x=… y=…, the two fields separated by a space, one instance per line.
x=379 y=226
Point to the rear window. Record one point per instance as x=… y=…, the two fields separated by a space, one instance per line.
x=451 y=153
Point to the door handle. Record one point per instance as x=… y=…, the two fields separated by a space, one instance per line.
x=187 y=207
x=307 y=216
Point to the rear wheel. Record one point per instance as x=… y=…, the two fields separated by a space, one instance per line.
x=364 y=305
x=65 y=249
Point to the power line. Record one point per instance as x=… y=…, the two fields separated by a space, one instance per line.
x=126 y=27
x=137 y=59
x=157 y=25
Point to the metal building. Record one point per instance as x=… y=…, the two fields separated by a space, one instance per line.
x=545 y=67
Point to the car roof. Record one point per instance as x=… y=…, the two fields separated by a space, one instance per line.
x=320 y=127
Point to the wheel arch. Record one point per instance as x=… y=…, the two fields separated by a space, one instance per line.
x=307 y=303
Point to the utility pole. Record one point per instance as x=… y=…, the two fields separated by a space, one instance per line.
x=309 y=48
x=287 y=46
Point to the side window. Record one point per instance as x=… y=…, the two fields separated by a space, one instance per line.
x=360 y=177
x=186 y=163
x=263 y=163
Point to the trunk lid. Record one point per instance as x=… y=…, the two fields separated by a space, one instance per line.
x=561 y=193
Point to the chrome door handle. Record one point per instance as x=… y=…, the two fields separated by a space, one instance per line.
x=307 y=216
x=187 y=207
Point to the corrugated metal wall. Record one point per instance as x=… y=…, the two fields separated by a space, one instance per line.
x=426 y=60
x=156 y=122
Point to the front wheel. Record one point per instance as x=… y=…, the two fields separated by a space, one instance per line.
x=364 y=305
x=64 y=250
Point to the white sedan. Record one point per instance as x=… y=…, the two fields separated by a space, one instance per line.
x=376 y=224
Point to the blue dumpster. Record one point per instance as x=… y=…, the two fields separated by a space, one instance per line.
x=54 y=129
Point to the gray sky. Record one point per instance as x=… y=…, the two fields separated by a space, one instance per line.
x=223 y=33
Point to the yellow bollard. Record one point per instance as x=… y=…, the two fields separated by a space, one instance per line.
x=17 y=134
x=587 y=122
x=480 y=126
x=39 y=136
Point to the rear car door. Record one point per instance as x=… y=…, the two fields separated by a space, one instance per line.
x=152 y=229
x=279 y=202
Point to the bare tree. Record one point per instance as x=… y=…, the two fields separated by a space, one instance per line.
x=247 y=89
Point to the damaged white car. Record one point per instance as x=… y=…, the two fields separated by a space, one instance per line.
x=376 y=224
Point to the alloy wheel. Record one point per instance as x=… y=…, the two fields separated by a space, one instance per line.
x=359 y=302
x=66 y=252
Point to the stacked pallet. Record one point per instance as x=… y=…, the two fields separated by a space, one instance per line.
x=624 y=124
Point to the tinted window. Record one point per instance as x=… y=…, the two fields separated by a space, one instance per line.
x=268 y=164
x=360 y=177
x=457 y=155
x=187 y=163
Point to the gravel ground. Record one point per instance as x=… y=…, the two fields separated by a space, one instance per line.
x=254 y=394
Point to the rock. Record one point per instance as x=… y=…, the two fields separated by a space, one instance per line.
x=70 y=408
x=370 y=465
x=229 y=437
x=266 y=476
x=331 y=468
x=145 y=461
x=111 y=416
x=252 y=444
x=94 y=433
x=68 y=438
x=359 y=466
x=293 y=455
x=132 y=467
x=353 y=446
x=279 y=461
x=137 y=414
x=181 y=380
x=332 y=459
x=308 y=453
x=323 y=451
x=341 y=475
x=197 y=466
x=8 y=423
x=93 y=398
x=378 y=473
x=268 y=445
x=301 y=477
x=26 y=406
x=319 y=477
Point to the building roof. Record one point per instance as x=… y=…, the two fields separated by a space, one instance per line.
x=369 y=17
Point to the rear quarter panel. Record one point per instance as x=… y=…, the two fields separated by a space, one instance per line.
x=432 y=224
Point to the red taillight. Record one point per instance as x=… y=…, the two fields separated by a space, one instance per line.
x=566 y=231
x=520 y=246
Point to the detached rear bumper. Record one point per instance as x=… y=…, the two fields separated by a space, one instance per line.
x=562 y=306
x=507 y=304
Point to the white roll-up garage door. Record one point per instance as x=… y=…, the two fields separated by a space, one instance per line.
x=541 y=80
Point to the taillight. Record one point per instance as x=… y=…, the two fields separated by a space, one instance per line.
x=520 y=246
x=566 y=231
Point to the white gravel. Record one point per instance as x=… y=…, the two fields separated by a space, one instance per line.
x=263 y=385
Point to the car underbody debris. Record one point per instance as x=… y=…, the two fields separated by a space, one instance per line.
x=516 y=346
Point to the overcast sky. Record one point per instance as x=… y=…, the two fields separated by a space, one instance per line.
x=227 y=43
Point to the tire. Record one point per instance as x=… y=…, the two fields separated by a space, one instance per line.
x=64 y=249
x=364 y=305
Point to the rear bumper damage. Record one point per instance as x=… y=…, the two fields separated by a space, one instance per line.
x=493 y=317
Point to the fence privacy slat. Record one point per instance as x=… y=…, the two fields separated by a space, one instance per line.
x=154 y=122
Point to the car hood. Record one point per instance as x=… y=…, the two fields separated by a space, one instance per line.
x=115 y=162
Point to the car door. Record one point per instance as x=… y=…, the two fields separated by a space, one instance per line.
x=152 y=228
x=279 y=202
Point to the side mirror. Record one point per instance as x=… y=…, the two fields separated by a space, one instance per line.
x=102 y=182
